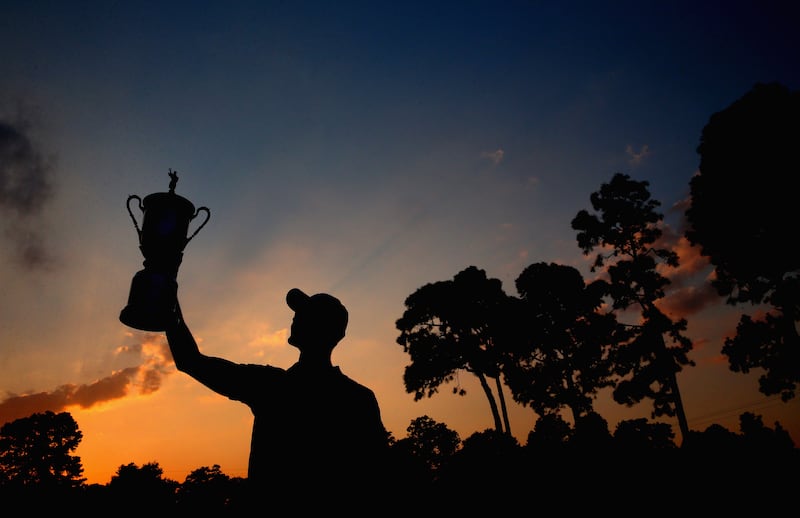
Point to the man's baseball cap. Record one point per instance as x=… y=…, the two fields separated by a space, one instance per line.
x=327 y=309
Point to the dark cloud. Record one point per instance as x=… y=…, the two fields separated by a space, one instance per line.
x=25 y=187
x=28 y=245
x=142 y=379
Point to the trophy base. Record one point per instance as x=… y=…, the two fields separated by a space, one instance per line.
x=152 y=302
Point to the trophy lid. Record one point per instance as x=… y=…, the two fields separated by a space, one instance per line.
x=169 y=200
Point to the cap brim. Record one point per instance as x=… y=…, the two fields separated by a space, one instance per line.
x=296 y=299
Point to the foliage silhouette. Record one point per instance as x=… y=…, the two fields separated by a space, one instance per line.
x=209 y=490
x=560 y=355
x=38 y=473
x=489 y=471
x=639 y=435
x=625 y=227
x=454 y=325
x=143 y=487
x=36 y=451
x=740 y=216
x=484 y=475
x=549 y=433
x=430 y=441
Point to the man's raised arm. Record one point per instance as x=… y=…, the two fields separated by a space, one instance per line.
x=218 y=374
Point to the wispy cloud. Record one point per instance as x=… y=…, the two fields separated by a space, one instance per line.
x=142 y=379
x=495 y=157
x=635 y=158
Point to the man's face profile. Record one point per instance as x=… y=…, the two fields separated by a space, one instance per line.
x=319 y=320
x=299 y=334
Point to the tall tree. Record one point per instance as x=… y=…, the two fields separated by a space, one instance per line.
x=450 y=326
x=625 y=226
x=741 y=216
x=36 y=451
x=561 y=353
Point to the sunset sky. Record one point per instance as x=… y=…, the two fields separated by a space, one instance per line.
x=362 y=149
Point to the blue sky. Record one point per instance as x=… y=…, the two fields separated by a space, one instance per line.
x=359 y=148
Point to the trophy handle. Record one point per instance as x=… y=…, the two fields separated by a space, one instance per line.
x=197 y=212
x=141 y=208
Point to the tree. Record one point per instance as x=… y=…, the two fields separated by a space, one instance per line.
x=36 y=451
x=550 y=434
x=591 y=436
x=487 y=468
x=143 y=487
x=449 y=326
x=640 y=436
x=625 y=226
x=759 y=437
x=432 y=442
x=740 y=216
x=561 y=355
x=209 y=490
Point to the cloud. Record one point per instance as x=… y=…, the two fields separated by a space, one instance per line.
x=635 y=159
x=495 y=157
x=270 y=339
x=142 y=379
x=688 y=300
x=25 y=187
x=691 y=262
x=690 y=289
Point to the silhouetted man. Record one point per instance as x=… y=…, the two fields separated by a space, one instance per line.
x=316 y=432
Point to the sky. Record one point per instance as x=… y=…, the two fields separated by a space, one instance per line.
x=362 y=149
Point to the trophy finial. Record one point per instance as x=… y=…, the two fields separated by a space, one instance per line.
x=174 y=180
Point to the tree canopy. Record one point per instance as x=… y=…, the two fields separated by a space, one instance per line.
x=453 y=325
x=37 y=451
x=562 y=359
x=740 y=216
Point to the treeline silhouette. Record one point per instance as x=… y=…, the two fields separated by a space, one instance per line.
x=555 y=345
x=561 y=340
x=434 y=470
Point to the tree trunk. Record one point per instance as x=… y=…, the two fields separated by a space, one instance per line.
x=679 y=412
x=672 y=377
x=503 y=404
x=498 y=424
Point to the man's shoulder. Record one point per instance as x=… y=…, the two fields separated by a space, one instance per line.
x=353 y=384
x=262 y=367
x=257 y=372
